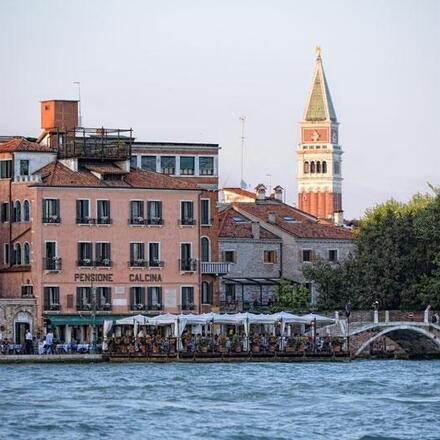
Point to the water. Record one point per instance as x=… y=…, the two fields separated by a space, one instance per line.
x=368 y=400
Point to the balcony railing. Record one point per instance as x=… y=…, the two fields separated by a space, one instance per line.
x=186 y=222
x=52 y=219
x=85 y=221
x=84 y=307
x=187 y=307
x=136 y=221
x=52 y=307
x=107 y=307
x=155 y=221
x=104 y=220
x=84 y=262
x=138 y=263
x=147 y=307
x=156 y=263
x=52 y=264
x=188 y=265
x=105 y=262
x=215 y=267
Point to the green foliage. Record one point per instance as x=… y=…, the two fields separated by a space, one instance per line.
x=292 y=297
x=396 y=259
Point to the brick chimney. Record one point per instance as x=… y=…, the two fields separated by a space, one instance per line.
x=256 y=230
x=278 y=193
x=271 y=217
x=59 y=115
x=260 y=191
x=338 y=218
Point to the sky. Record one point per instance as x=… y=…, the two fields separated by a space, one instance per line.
x=186 y=70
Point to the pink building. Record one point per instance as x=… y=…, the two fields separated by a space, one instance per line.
x=85 y=237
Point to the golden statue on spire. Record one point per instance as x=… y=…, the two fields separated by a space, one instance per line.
x=318 y=51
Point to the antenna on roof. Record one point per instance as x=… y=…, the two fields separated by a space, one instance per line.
x=243 y=122
x=77 y=83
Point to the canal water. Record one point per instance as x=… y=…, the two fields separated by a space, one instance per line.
x=368 y=400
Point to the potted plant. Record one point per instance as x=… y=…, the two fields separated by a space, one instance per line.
x=203 y=344
x=236 y=345
x=291 y=345
x=337 y=342
x=256 y=344
x=300 y=343
x=272 y=344
x=221 y=343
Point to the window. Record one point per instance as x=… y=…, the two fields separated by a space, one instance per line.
x=52 y=298
x=5 y=169
x=324 y=167
x=207 y=293
x=187 y=298
x=270 y=256
x=137 y=254
x=103 y=212
x=205 y=249
x=103 y=254
x=148 y=163
x=16 y=212
x=5 y=212
x=306 y=167
x=6 y=253
x=312 y=167
x=51 y=211
x=333 y=255
x=137 y=212
x=84 y=298
x=83 y=211
x=168 y=164
x=337 y=167
x=24 y=167
x=17 y=254
x=306 y=255
x=26 y=254
x=187 y=165
x=186 y=262
x=318 y=167
x=133 y=161
x=154 y=255
x=206 y=166
x=137 y=298
x=187 y=213
x=229 y=256
x=85 y=254
x=154 y=212
x=205 y=214
x=26 y=211
x=27 y=291
x=154 y=298
x=230 y=292
x=51 y=260
x=104 y=298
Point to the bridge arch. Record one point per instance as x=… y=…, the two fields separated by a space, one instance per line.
x=403 y=327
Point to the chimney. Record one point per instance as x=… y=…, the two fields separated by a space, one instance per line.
x=59 y=115
x=260 y=191
x=256 y=230
x=278 y=193
x=271 y=217
x=338 y=218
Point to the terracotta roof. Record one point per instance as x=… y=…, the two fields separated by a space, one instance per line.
x=57 y=174
x=231 y=228
x=103 y=168
x=241 y=192
x=294 y=221
x=22 y=144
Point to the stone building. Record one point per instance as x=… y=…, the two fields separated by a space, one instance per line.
x=299 y=237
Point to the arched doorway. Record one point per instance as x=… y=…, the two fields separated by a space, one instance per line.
x=22 y=322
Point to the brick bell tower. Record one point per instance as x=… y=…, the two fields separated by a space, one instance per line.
x=319 y=154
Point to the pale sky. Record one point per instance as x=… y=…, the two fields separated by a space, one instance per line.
x=186 y=70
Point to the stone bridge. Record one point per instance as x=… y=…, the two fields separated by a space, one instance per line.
x=410 y=335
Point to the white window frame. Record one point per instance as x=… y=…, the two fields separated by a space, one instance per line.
x=209 y=212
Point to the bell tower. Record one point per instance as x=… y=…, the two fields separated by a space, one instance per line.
x=319 y=154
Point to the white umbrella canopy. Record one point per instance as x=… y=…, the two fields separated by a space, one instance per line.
x=290 y=318
x=319 y=318
x=131 y=320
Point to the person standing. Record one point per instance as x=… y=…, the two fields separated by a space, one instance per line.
x=49 y=342
x=29 y=346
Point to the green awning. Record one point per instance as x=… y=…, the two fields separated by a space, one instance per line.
x=82 y=319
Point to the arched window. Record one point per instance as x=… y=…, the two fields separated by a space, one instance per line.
x=26 y=211
x=26 y=254
x=16 y=217
x=206 y=292
x=312 y=167
x=306 y=167
x=318 y=167
x=205 y=251
x=17 y=254
x=324 y=167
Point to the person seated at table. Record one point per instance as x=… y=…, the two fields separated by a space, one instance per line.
x=72 y=346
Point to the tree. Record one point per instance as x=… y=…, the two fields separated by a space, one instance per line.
x=292 y=297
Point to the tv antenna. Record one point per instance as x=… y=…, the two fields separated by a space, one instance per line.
x=243 y=122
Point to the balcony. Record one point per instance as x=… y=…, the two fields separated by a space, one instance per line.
x=137 y=307
x=54 y=307
x=107 y=307
x=104 y=262
x=137 y=221
x=138 y=263
x=188 y=265
x=85 y=221
x=215 y=268
x=155 y=221
x=52 y=219
x=186 y=222
x=153 y=307
x=104 y=220
x=84 y=307
x=84 y=262
x=52 y=264
x=156 y=263
x=186 y=307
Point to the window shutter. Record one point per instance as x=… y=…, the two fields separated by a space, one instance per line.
x=57 y=295
x=160 y=209
x=108 y=213
x=78 y=296
x=78 y=209
x=131 y=251
x=46 y=298
x=159 y=295
x=132 y=298
x=70 y=301
x=57 y=207
x=234 y=254
x=313 y=255
x=109 y=249
x=142 y=295
x=301 y=255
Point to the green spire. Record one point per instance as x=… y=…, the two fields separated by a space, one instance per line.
x=319 y=105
